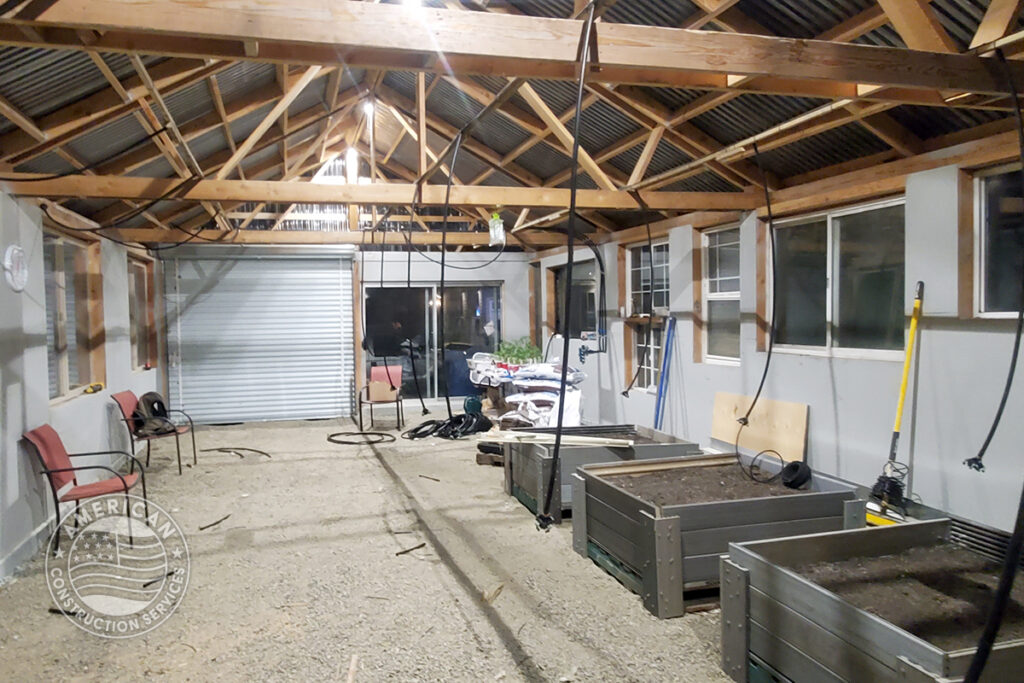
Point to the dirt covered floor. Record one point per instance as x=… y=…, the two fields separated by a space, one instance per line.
x=303 y=576
x=684 y=485
x=939 y=593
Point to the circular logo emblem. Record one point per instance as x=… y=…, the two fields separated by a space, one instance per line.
x=121 y=567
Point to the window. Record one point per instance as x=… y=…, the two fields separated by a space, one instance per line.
x=1001 y=242
x=649 y=364
x=584 y=298
x=840 y=280
x=140 y=313
x=722 y=293
x=73 y=343
x=640 y=290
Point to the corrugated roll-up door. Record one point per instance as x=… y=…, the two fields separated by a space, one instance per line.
x=260 y=339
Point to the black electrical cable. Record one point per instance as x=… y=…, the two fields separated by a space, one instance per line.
x=1015 y=547
x=976 y=463
x=364 y=438
x=650 y=309
x=444 y=249
x=544 y=519
x=745 y=420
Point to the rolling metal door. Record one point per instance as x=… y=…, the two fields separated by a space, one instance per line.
x=260 y=339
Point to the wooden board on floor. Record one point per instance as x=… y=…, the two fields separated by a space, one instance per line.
x=776 y=425
x=490 y=459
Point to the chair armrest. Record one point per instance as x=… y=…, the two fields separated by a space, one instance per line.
x=182 y=412
x=88 y=467
x=124 y=453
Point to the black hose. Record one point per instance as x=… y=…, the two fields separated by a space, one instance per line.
x=544 y=519
x=1016 y=546
x=360 y=438
x=745 y=420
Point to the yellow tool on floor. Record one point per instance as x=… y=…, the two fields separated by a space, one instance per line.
x=889 y=504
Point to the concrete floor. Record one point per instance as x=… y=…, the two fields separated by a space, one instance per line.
x=303 y=575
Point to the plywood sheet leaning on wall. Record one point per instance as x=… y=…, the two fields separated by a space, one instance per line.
x=776 y=425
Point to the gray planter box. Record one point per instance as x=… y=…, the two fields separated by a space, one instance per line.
x=659 y=552
x=775 y=620
x=528 y=466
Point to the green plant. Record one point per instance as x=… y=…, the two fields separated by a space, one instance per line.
x=518 y=351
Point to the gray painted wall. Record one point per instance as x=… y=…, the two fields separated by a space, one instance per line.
x=85 y=423
x=956 y=379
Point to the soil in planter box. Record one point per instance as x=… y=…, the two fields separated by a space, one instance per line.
x=684 y=485
x=939 y=593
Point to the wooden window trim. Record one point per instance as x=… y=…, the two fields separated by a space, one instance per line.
x=149 y=274
x=91 y=359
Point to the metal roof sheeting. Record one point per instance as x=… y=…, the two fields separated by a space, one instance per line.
x=666 y=157
x=801 y=18
x=544 y=161
x=834 y=146
x=928 y=122
x=746 y=115
x=109 y=140
x=601 y=125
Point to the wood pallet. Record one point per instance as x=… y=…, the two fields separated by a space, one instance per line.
x=495 y=459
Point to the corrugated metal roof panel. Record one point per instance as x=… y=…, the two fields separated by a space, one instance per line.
x=243 y=77
x=311 y=96
x=601 y=125
x=663 y=13
x=559 y=95
x=109 y=140
x=927 y=122
x=500 y=134
x=748 y=115
x=496 y=83
x=38 y=81
x=666 y=157
x=452 y=105
x=402 y=82
x=188 y=103
x=46 y=163
x=544 y=161
x=835 y=146
x=801 y=18
x=884 y=36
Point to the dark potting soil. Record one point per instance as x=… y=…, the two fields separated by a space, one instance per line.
x=938 y=593
x=684 y=485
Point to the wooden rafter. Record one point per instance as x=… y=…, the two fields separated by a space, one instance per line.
x=361 y=34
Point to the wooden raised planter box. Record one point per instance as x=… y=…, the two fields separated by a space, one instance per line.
x=778 y=623
x=528 y=466
x=660 y=551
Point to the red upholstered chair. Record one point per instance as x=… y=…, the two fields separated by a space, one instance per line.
x=127 y=401
x=385 y=387
x=60 y=472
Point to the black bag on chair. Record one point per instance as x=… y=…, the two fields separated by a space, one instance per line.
x=150 y=416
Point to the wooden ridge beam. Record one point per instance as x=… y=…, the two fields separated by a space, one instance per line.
x=356 y=237
x=362 y=34
x=108 y=187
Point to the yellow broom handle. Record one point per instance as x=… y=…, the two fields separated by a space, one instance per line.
x=914 y=317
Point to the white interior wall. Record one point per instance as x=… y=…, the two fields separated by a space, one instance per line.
x=85 y=422
x=956 y=380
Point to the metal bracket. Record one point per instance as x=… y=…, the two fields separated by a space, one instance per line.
x=854 y=514
x=579 y=514
x=663 y=570
x=735 y=596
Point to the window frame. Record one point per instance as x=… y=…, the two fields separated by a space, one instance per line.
x=828 y=350
x=655 y=244
x=147 y=266
x=978 y=304
x=89 y=313
x=707 y=296
x=638 y=327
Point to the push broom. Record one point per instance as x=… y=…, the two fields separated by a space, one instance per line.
x=889 y=489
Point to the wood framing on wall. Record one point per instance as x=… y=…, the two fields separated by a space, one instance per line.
x=697 y=256
x=763 y=322
x=550 y=301
x=965 y=245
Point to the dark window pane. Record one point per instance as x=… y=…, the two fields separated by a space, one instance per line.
x=724 y=329
x=801 y=284
x=869 y=296
x=583 y=316
x=1003 y=242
